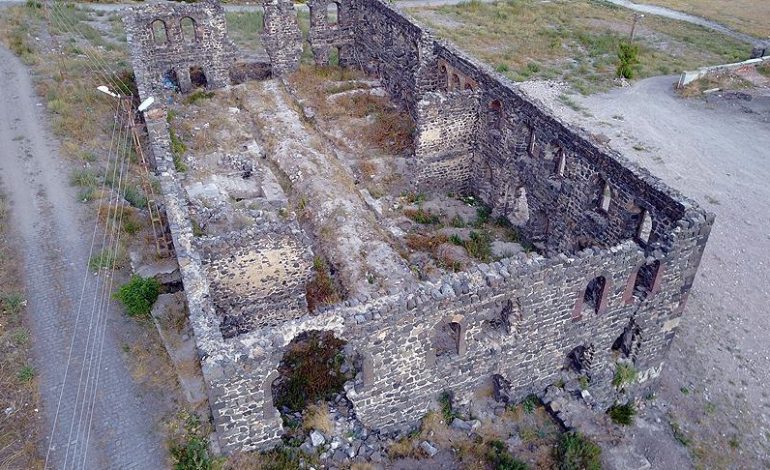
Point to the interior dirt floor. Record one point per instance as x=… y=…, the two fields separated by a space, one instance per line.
x=715 y=150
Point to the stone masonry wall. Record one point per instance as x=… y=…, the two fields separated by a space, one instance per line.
x=328 y=31
x=170 y=38
x=444 y=141
x=518 y=317
x=281 y=36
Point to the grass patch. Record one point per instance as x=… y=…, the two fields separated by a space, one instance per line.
x=500 y=459
x=138 y=295
x=479 y=245
x=422 y=216
x=624 y=374
x=622 y=414
x=575 y=40
x=107 y=259
x=198 y=95
x=190 y=451
x=447 y=410
x=26 y=374
x=576 y=452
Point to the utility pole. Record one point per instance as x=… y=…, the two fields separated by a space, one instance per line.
x=637 y=17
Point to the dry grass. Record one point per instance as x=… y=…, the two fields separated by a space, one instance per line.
x=748 y=16
x=149 y=362
x=575 y=40
x=18 y=385
x=317 y=417
x=725 y=81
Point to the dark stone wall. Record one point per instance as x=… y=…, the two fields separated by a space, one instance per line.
x=328 y=32
x=153 y=56
x=281 y=35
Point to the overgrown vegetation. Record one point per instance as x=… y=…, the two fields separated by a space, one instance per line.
x=310 y=371
x=622 y=414
x=576 y=452
x=138 y=295
x=500 y=459
x=198 y=95
x=447 y=410
x=575 y=40
x=189 y=450
x=422 y=216
x=624 y=374
x=322 y=289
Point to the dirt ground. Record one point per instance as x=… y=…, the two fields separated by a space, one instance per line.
x=714 y=150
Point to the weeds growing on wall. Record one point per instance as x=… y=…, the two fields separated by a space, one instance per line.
x=321 y=290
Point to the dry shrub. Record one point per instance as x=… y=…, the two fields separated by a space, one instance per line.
x=150 y=363
x=428 y=243
x=404 y=448
x=393 y=131
x=317 y=417
x=368 y=169
x=321 y=290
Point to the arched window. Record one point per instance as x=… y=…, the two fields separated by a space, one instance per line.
x=159 y=32
x=198 y=77
x=646 y=282
x=189 y=32
x=455 y=84
x=604 y=201
x=332 y=13
x=629 y=341
x=444 y=75
x=644 y=230
x=496 y=114
x=594 y=295
x=561 y=162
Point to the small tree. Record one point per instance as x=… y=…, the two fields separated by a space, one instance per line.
x=138 y=295
x=628 y=59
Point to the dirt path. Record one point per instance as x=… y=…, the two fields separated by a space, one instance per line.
x=717 y=153
x=54 y=236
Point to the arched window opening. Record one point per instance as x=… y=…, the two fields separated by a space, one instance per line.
x=561 y=162
x=646 y=280
x=629 y=342
x=189 y=31
x=332 y=13
x=645 y=228
x=580 y=359
x=593 y=297
x=496 y=114
x=198 y=77
x=604 y=202
x=455 y=84
x=171 y=81
x=159 y=32
x=444 y=75
x=532 y=142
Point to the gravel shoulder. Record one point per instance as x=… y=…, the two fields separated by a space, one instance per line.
x=715 y=151
x=54 y=233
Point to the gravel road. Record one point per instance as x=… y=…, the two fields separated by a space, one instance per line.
x=53 y=232
x=716 y=151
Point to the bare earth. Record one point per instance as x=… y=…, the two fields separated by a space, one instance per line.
x=717 y=152
x=54 y=236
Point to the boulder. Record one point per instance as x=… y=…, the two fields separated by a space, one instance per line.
x=428 y=448
x=316 y=438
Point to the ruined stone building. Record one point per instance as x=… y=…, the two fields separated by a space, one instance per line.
x=619 y=249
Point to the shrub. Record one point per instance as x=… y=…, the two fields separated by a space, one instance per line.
x=482 y=215
x=321 y=290
x=498 y=456
x=530 y=403
x=622 y=414
x=576 y=452
x=447 y=411
x=138 y=295
x=479 y=246
x=628 y=59
x=134 y=197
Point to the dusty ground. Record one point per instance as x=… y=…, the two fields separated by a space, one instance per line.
x=714 y=150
